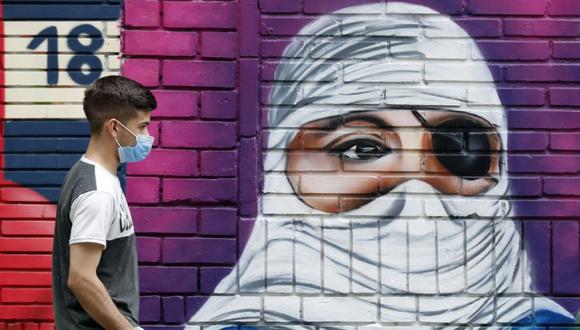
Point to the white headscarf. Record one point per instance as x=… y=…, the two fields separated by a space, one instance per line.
x=411 y=255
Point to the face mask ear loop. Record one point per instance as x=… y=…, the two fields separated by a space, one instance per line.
x=117 y=142
x=127 y=129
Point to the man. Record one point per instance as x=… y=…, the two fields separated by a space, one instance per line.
x=94 y=271
x=386 y=196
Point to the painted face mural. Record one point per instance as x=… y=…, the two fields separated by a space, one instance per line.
x=385 y=193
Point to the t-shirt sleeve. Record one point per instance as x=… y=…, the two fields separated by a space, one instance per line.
x=91 y=215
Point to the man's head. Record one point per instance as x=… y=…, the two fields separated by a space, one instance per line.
x=118 y=109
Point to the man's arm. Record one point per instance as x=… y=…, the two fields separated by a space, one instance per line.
x=88 y=288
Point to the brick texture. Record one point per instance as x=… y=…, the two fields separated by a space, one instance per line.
x=211 y=65
x=43 y=131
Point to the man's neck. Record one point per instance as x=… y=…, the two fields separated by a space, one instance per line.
x=103 y=154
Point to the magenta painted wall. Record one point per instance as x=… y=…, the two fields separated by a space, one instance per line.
x=211 y=65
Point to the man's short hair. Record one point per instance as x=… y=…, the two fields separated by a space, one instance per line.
x=115 y=97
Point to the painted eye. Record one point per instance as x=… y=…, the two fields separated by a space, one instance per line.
x=363 y=149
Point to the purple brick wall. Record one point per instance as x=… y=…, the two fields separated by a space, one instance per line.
x=210 y=64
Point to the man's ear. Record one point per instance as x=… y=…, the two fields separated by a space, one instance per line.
x=111 y=126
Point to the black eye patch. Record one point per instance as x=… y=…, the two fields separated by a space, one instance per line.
x=450 y=144
x=461 y=145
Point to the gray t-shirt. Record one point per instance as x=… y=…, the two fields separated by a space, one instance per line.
x=92 y=208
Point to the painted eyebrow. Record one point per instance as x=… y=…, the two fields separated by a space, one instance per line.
x=377 y=121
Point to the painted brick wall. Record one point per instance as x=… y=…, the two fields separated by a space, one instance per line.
x=212 y=63
x=194 y=201
x=51 y=51
x=199 y=188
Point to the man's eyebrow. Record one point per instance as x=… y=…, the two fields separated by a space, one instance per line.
x=377 y=121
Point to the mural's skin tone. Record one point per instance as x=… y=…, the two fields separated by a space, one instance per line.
x=455 y=204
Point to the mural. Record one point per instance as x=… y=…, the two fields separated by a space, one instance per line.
x=386 y=192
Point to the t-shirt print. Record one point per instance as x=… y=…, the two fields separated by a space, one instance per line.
x=102 y=214
x=125 y=220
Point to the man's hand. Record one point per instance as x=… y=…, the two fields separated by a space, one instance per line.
x=88 y=288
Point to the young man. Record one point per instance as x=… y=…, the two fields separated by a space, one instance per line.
x=94 y=271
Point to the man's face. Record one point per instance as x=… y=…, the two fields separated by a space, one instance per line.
x=340 y=163
x=138 y=125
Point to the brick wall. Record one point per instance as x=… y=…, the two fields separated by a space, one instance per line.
x=211 y=65
x=43 y=131
x=201 y=181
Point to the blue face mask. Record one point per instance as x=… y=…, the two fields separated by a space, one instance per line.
x=137 y=152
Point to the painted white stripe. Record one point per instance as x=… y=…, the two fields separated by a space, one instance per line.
x=113 y=28
x=31 y=28
x=43 y=94
x=44 y=111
